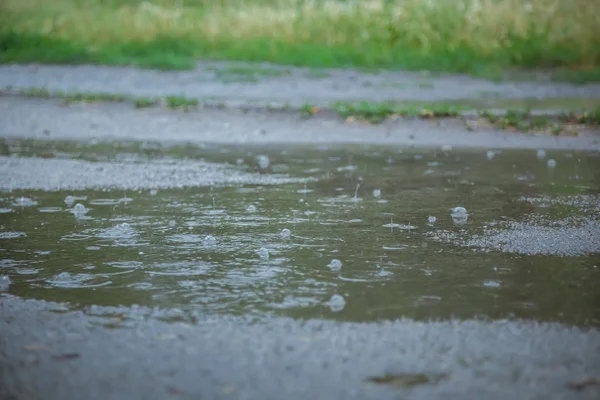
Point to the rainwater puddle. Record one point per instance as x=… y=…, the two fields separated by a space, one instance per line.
x=352 y=233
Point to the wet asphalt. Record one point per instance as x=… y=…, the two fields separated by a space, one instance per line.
x=48 y=351
x=294 y=86
x=68 y=355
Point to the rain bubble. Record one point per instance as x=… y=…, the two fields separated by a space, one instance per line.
x=376 y=193
x=153 y=192
x=459 y=215
x=491 y=154
x=551 y=163
x=459 y=211
x=263 y=253
x=431 y=220
x=251 y=208
x=79 y=210
x=285 y=233
x=335 y=265
x=263 y=161
x=336 y=303
x=4 y=282
x=209 y=240
x=541 y=154
x=69 y=201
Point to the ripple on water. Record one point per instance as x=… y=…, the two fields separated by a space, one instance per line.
x=12 y=235
x=120 y=231
x=77 y=281
x=24 y=202
x=183 y=268
x=50 y=209
x=126 y=264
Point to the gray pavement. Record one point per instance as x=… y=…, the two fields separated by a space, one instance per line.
x=68 y=355
x=53 y=120
x=269 y=83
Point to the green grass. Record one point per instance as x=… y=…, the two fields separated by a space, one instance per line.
x=378 y=112
x=483 y=38
x=174 y=102
x=180 y=102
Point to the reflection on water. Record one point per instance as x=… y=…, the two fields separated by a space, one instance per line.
x=374 y=234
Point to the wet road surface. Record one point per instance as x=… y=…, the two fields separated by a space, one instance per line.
x=130 y=300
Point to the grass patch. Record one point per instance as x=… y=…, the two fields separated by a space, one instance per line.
x=521 y=119
x=379 y=112
x=180 y=102
x=525 y=121
x=145 y=102
x=174 y=102
x=481 y=37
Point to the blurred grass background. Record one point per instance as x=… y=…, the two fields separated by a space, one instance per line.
x=480 y=37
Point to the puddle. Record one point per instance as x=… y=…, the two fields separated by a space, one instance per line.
x=346 y=233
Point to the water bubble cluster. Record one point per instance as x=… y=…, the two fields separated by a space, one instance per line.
x=285 y=233
x=251 y=208
x=377 y=193
x=431 y=219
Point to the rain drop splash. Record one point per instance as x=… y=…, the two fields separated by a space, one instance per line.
x=63 y=277
x=491 y=154
x=69 y=201
x=263 y=253
x=4 y=282
x=551 y=163
x=459 y=215
x=263 y=161
x=251 y=208
x=285 y=233
x=79 y=210
x=24 y=202
x=541 y=154
x=376 y=193
x=153 y=192
x=335 y=265
x=355 y=198
x=336 y=303
x=392 y=225
x=118 y=232
x=209 y=240
x=431 y=220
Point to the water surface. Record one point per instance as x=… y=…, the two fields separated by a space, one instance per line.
x=527 y=247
